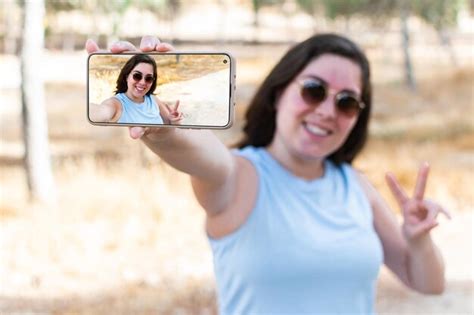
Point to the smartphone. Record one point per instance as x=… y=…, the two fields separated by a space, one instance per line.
x=172 y=89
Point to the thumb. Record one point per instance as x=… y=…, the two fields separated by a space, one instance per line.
x=91 y=46
x=136 y=132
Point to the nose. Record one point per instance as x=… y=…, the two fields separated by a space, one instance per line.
x=327 y=108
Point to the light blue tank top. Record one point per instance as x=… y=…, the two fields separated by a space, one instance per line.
x=308 y=247
x=144 y=113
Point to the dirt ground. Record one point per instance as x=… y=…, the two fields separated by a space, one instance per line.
x=126 y=236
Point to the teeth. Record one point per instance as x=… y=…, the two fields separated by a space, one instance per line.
x=316 y=130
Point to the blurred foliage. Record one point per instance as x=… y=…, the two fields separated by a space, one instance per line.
x=335 y=8
x=257 y=4
x=165 y=9
x=118 y=6
x=310 y=6
x=438 y=13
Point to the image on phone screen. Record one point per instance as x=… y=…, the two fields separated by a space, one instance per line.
x=193 y=90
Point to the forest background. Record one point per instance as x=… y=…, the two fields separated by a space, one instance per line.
x=93 y=223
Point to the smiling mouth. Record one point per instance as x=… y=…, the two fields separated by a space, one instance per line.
x=315 y=130
x=141 y=90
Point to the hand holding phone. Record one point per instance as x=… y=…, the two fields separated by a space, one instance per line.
x=185 y=89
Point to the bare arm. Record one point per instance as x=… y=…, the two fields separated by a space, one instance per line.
x=202 y=155
x=108 y=111
x=198 y=153
x=414 y=258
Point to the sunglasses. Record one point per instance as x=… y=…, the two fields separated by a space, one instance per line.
x=138 y=76
x=314 y=92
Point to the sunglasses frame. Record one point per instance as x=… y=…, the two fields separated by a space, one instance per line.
x=327 y=91
x=147 y=78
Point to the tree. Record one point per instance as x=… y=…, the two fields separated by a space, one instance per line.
x=52 y=9
x=35 y=126
x=438 y=13
x=311 y=7
x=409 y=77
x=257 y=5
x=441 y=14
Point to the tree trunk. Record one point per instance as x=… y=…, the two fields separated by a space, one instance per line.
x=35 y=127
x=445 y=41
x=410 y=80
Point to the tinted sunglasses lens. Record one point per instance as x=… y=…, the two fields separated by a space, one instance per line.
x=313 y=92
x=348 y=104
x=149 y=79
x=137 y=76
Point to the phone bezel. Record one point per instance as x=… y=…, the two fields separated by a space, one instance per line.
x=232 y=89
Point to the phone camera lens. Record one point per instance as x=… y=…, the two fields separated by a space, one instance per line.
x=225 y=61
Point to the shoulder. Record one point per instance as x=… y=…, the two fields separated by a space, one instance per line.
x=154 y=99
x=116 y=106
x=244 y=196
x=383 y=216
x=252 y=155
x=369 y=190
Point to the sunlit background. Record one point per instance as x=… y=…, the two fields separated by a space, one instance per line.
x=93 y=223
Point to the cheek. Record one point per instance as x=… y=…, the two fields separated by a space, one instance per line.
x=290 y=105
x=346 y=124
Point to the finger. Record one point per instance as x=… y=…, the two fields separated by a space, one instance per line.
x=176 y=106
x=432 y=205
x=446 y=213
x=136 y=132
x=396 y=189
x=425 y=227
x=421 y=181
x=148 y=43
x=91 y=46
x=168 y=107
x=164 y=47
x=122 y=46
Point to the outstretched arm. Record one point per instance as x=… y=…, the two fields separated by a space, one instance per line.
x=198 y=153
x=108 y=111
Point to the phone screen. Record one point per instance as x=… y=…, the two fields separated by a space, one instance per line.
x=193 y=90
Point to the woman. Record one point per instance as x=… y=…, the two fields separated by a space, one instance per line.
x=134 y=101
x=293 y=227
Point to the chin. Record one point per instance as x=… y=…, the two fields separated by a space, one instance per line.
x=310 y=155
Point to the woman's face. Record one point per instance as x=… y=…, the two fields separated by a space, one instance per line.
x=137 y=89
x=314 y=131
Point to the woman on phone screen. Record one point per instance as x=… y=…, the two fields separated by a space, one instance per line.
x=134 y=101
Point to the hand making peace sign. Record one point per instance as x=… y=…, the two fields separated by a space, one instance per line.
x=174 y=115
x=419 y=214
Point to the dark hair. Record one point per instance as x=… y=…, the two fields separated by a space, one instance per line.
x=260 y=125
x=128 y=67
